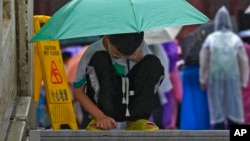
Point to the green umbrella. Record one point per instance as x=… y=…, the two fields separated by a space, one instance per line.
x=81 y=18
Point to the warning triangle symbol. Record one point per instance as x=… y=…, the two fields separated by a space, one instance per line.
x=56 y=77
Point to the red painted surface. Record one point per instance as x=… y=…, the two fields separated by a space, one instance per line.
x=206 y=6
x=47 y=7
x=201 y=5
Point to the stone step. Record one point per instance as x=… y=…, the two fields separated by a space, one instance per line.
x=121 y=135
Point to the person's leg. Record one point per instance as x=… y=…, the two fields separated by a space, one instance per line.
x=174 y=114
x=144 y=79
x=233 y=102
x=167 y=111
x=157 y=112
x=219 y=126
x=176 y=97
x=231 y=122
x=101 y=69
x=216 y=101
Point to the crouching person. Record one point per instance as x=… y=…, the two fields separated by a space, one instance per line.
x=116 y=80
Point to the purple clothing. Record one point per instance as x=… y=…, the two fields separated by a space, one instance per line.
x=172 y=51
x=170 y=109
x=167 y=110
x=73 y=50
x=169 y=114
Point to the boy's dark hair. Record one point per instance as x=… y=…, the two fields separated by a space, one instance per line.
x=126 y=43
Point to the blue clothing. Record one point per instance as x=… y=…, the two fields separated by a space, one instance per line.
x=42 y=114
x=194 y=108
x=41 y=101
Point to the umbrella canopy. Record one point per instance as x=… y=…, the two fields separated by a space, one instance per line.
x=244 y=33
x=192 y=43
x=72 y=50
x=78 y=41
x=247 y=11
x=157 y=36
x=81 y=18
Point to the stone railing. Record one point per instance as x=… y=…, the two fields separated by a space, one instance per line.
x=121 y=135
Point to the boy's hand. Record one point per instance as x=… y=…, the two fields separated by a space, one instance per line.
x=106 y=123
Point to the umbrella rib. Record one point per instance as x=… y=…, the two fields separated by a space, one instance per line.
x=134 y=14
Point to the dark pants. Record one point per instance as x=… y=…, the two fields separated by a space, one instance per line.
x=143 y=80
x=157 y=112
x=223 y=126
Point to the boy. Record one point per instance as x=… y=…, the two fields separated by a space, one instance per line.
x=116 y=80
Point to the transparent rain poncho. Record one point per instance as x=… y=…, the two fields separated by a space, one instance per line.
x=224 y=68
x=166 y=84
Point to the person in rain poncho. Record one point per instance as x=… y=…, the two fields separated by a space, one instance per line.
x=224 y=71
x=116 y=81
x=246 y=90
x=161 y=114
x=171 y=49
x=166 y=113
x=162 y=45
x=194 y=113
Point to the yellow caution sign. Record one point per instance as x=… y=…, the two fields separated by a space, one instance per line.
x=37 y=64
x=49 y=60
x=37 y=74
